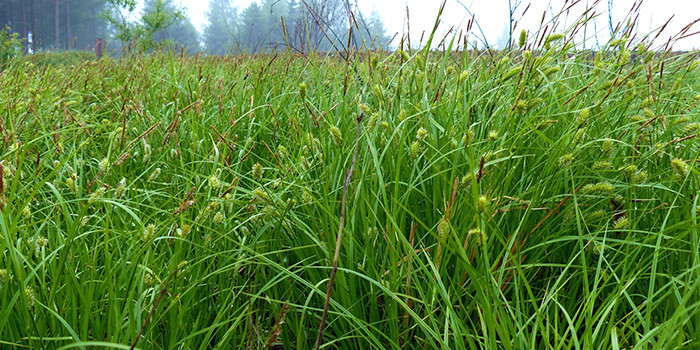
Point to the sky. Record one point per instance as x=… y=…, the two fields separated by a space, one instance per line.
x=492 y=16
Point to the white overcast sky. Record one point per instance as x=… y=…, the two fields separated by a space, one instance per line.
x=492 y=15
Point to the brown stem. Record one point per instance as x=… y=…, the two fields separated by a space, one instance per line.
x=339 y=239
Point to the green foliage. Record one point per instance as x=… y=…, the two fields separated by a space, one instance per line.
x=158 y=16
x=10 y=46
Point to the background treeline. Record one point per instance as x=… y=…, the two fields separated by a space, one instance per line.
x=77 y=24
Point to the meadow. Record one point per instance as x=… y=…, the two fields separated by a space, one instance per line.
x=533 y=198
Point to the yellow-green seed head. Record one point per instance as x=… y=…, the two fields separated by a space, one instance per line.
x=373 y=119
x=601 y=165
x=625 y=57
x=552 y=70
x=554 y=37
x=146 y=152
x=4 y=277
x=184 y=230
x=282 y=151
x=104 y=164
x=601 y=188
x=214 y=182
x=463 y=77
x=492 y=136
x=443 y=228
x=306 y=197
x=421 y=134
x=523 y=38
x=148 y=280
x=680 y=120
x=302 y=90
x=691 y=129
x=154 y=175
x=466 y=180
x=149 y=232
x=596 y=216
x=30 y=296
x=680 y=168
x=218 y=217
x=482 y=204
x=27 y=213
x=628 y=170
x=94 y=196
x=478 y=236
x=583 y=118
x=566 y=160
x=257 y=171
x=120 y=190
x=72 y=186
x=608 y=147
x=621 y=223
x=415 y=149
x=579 y=136
x=262 y=195
x=420 y=62
x=336 y=136
x=640 y=177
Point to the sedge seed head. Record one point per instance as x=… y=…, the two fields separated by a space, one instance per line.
x=282 y=151
x=523 y=38
x=601 y=165
x=492 y=136
x=596 y=216
x=120 y=190
x=554 y=37
x=104 y=164
x=262 y=195
x=302 y=90
x=621 y=223
x=94 y=196
x=478 y=236
x=608 y=147
x=421 y=134
x=601 y=188
x=218 y=217
x=257 y=171
x=154 y=175
x=149 y=232
x=214 y=183
x=146 y=152
x=443 y=228
x=566 y=160
x=30 y=296
x=336 y=135
x=415 y=149
x=4 y=277
x=640 y=177
x=482 y=204
x=680 y=168
x=628 y=170
x=582 y=118
x=691 y=129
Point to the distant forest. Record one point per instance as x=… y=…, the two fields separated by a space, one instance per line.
x=45 y=25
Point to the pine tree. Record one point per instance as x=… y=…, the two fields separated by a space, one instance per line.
x=219 y=32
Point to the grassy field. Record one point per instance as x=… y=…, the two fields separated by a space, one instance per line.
x=531 y=198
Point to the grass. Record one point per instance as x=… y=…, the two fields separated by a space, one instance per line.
x=520 y=199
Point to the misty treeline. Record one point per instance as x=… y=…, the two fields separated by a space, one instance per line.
x=77 y=24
